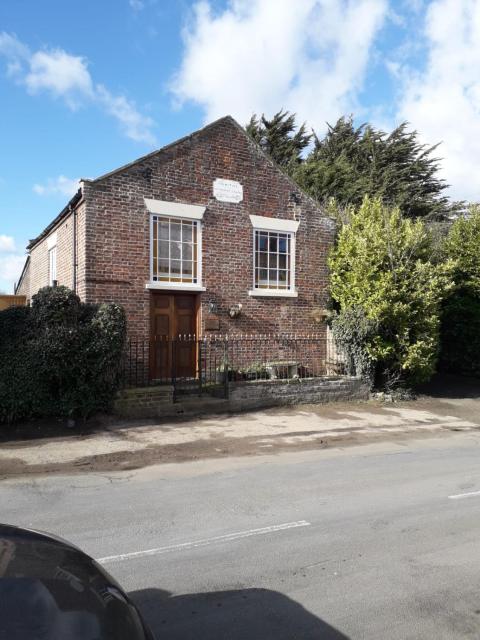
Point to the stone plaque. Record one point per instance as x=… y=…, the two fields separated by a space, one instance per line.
x=212 y=323
x=227 y=190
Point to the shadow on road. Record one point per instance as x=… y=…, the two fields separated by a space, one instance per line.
x=244 y=614
x=444 y=385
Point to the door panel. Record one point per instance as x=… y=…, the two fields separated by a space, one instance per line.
x=173 y=316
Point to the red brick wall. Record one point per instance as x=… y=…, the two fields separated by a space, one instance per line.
x=37 y=274
x=118 y=244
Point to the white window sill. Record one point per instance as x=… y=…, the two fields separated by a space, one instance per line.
x=174 y=286
x=272 y=293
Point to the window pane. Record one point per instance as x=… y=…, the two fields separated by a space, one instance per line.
x=163 y=249
x=282 y=277
x=163 y=229
x=273 y=261
x=187 y=268
x=273 y=277
x=186 y=231
x=186 y=251
x=282 y=261
x=175 y=231
x=262 y=275
x=263 y=259
x=262 y=241
x=282 y=245
x=273 y=243
x=163 y=265
x=175 y=250
x=175 y=266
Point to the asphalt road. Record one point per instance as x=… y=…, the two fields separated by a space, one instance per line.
x=378 y=541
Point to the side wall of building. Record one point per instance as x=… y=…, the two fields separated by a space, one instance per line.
x=118 y=233
x=37 y=274
x=23 y=288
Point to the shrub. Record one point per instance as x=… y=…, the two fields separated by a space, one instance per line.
x=381 y=264
x=353 y=331
x=462 y=246
x=59 y=357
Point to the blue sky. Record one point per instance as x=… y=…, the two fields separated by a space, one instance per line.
x=86 y=87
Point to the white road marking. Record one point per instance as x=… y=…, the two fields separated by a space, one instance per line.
x=460 y=496
x=203 y=543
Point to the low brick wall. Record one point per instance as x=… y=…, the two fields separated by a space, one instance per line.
x=157 y=402
x=269 y=393
x=145 y=402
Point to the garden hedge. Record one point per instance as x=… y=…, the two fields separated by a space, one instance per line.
x=59 y=357
x=460 y=334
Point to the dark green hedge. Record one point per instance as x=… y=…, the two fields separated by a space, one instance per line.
x=59 y=357
x=460 y=334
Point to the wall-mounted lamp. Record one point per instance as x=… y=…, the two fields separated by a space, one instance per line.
x=235 y=310
x=295 y=197
x=212 y=307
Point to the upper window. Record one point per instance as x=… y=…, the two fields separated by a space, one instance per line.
x=52 y=265
x=175 y=245
x=174 y=250
x=272 y=260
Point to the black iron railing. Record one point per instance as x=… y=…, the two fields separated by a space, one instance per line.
x=210 y=363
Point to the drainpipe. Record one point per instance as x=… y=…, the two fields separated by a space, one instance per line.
x=75 y=250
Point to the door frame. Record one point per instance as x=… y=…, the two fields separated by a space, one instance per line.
x=173 y=332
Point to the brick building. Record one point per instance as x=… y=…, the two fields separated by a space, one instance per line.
x=205 y=235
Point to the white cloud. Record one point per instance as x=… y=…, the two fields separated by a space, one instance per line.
x=136 y=5
x=443 y=100
x=10 y=269
x=58 y=186
x=7 y=244
x=61 y=74
x=308 y=56
x=136 y=126
x=11 y=263
x=15 y=52
x=66 y=76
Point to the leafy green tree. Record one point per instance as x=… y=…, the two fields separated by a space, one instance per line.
x=350 y=162
x=280 y=138
x=463 y=245
x=381 y=264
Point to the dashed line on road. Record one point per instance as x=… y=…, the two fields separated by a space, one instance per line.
x=460 y=496
x=203 y=543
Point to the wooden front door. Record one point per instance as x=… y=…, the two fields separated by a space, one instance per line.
x=173 y=317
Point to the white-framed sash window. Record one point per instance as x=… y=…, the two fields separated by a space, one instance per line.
x=273 y=257
x=175 y=250
x=52 y=265
x=273 y=265
x=175 y=245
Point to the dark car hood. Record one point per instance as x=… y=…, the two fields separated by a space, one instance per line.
x=50 y=590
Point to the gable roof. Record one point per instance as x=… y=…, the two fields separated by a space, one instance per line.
x=191 y=136
x=71 y=204
x=196 y=134
x=22 y=275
